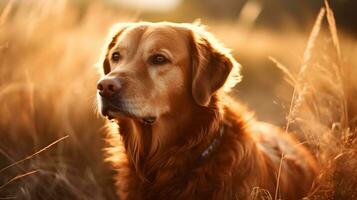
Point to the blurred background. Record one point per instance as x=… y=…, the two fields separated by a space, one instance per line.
x=48 y=50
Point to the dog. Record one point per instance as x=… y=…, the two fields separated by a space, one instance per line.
x=178 y=134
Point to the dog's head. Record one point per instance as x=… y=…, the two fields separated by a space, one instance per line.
x=150 y=68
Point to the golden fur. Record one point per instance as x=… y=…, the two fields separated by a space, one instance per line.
x=163 y=159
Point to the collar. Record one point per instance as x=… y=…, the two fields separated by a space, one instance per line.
x=214 y=144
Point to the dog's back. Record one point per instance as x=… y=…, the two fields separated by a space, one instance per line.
x=290 y=162
x=280 y=159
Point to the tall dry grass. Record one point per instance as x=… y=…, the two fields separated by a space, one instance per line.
x=47 y=92
x=324 y=109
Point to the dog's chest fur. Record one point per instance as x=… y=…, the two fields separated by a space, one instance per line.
x=212 y=178
x=246 y=157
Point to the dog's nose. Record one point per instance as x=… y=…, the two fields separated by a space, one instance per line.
x=108 y=87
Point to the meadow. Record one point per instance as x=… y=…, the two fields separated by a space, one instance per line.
x=52 y=139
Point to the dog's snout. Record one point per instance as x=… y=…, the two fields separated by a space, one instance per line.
x=108 y=87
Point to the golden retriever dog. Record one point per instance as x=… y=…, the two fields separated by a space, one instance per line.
x=179 y=136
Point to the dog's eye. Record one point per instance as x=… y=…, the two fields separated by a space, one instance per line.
x=158 y=59
x=116 y=56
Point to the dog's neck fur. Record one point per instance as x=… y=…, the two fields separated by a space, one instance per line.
x=148 y=154
x=166 y=168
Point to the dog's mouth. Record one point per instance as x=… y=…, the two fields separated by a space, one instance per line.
x=111 y=115
x=113 y=112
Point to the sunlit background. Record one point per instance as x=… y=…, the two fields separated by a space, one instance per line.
x=48 y=50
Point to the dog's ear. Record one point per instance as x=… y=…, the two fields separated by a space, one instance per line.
x=114 y=32
x=212 y=66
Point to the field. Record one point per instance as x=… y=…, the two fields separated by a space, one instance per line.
x=52 y=139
